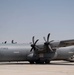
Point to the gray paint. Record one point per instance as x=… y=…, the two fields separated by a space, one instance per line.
x=21 y=52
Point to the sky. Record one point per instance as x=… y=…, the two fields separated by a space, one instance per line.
x=22 y=19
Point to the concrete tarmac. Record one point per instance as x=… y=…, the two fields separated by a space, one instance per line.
x=24 y=68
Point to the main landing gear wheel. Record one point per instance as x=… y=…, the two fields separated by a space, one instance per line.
x=47 y=61
x=43 y=62
x=39 y=62
x=31 y=62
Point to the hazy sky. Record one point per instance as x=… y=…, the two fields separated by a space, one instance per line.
x=21 y=19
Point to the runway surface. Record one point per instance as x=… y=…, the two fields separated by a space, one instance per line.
x=24 y=68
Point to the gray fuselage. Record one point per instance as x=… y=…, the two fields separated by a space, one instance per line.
x=21 y=52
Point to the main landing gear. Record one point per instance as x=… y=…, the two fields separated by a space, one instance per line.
x=40 y=62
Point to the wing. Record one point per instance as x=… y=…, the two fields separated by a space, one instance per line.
x=65 y=43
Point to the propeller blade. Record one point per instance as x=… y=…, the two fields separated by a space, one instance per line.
x=33 y=39
x=31 y=49
x=44 y=39
x=47 y=43
x=36 y=41
x=50 y=47
x=48 y=37
x=51 y=40
x=33 y=44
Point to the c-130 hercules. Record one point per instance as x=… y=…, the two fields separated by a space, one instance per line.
x=37 y=53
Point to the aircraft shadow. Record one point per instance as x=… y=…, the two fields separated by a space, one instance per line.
x=26 y=63
x=11 y=63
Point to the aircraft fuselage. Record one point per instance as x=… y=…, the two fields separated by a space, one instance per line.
x=21 y=52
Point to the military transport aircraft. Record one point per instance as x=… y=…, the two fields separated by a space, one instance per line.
x=37 y=53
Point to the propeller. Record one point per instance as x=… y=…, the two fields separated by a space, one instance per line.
x=47 y=42
x=33 y=45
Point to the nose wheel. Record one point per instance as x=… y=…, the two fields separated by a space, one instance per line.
x=72 y=58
